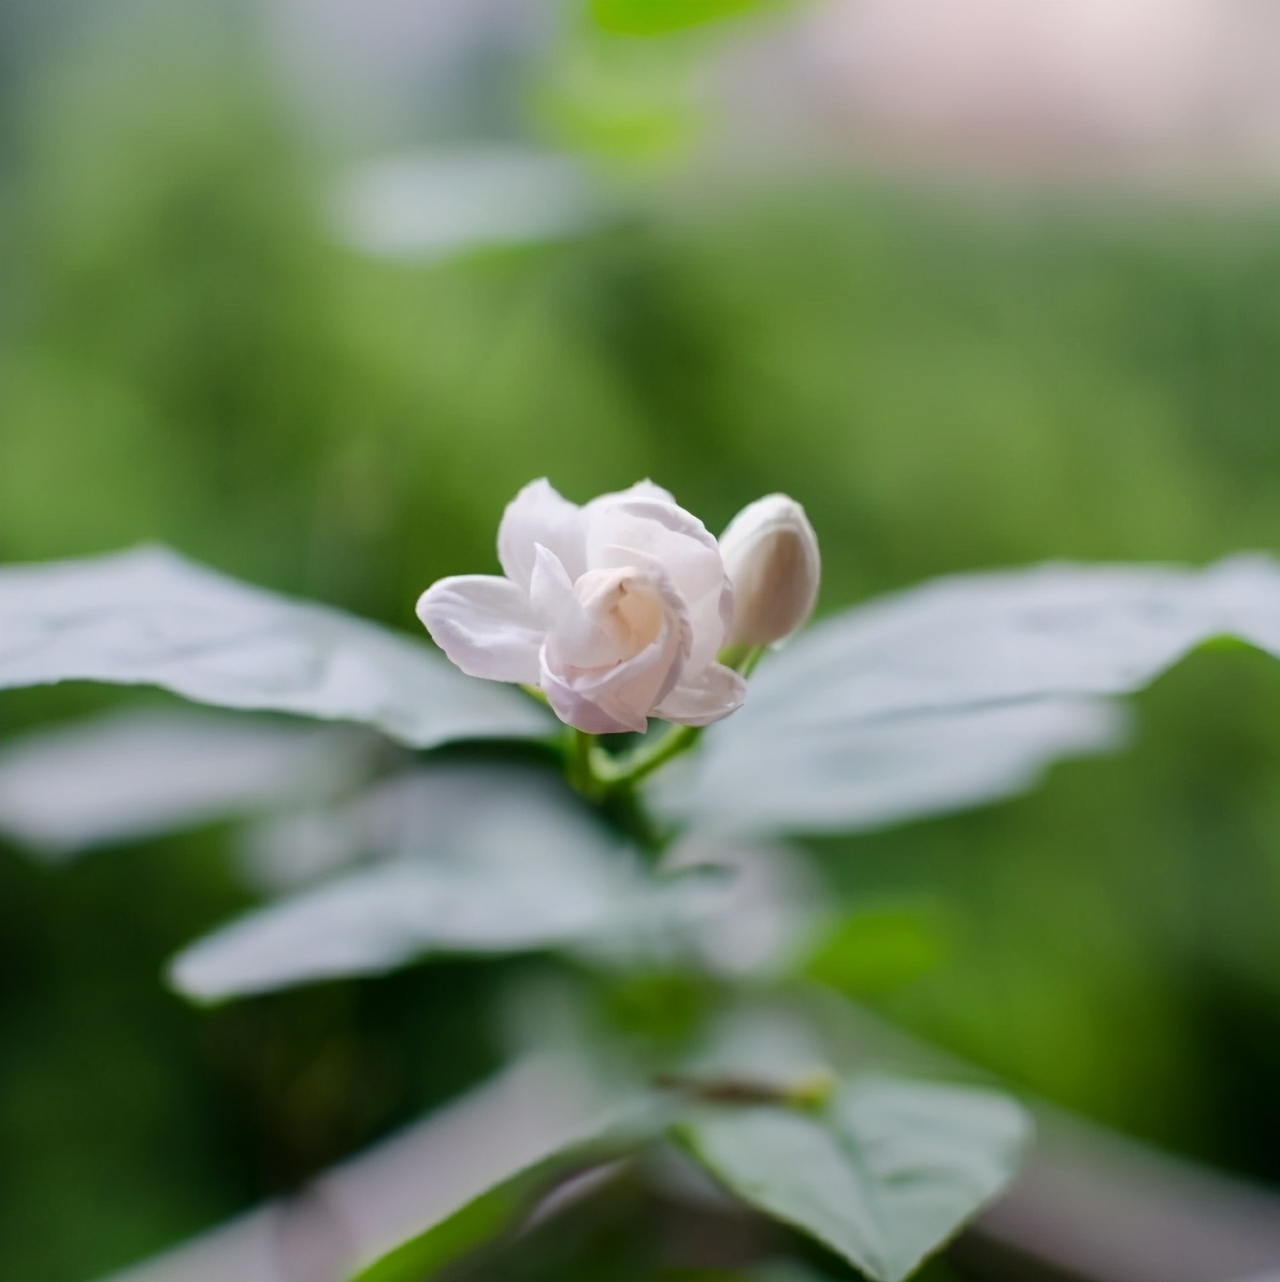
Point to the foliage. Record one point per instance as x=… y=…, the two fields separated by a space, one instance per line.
x=185 y=359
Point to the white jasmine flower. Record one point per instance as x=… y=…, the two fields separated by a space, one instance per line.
x=771 y=555
x=616 y=610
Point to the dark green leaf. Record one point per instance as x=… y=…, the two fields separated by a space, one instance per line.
x=884 y=1175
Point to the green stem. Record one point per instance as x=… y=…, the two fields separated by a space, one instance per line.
x=612 y=785
x=627 y=772
x=580 y=767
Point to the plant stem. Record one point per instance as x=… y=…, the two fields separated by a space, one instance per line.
x=580 y=767
x=639 y=765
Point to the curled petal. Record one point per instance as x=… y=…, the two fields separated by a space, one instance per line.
x=645 y=489
x=630 y=691
x=550 y=587
x=486 y=625
x=771 y=556
x=666 y=535
x=624 y=685
x=578 y=711
x=714 y=693
x=594 y=626
x=539 y=515
x=618 y=698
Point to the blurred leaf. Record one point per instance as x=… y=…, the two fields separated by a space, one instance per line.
x=658 y=17
x=490 y=814
x=472 y=1224
x=137 y=774
x=501 y=862
x=618 y=100
x=149 y=617
x=974 y=682
x=884 y=1175
x=874 y=950
x=510 y=1133
x=433 y=204
x=844 y=775
x=627 y=127
x=582 y=1126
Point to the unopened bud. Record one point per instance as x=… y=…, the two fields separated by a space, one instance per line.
x=771 y=555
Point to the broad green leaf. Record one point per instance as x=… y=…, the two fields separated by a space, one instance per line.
x=961 y=690
x=427 y=1174
x=660 y=17
x=602 y=1122
x=148 y=617
x=136 y=774
x=478 y=1221
x=841 y=776
x=873 y=950
x=884 y=1175
x=491 y=860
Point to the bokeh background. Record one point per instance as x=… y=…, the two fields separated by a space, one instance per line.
x=308 y=290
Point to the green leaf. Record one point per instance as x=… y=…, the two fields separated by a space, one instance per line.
x=478 y=858
x=468 y=1227
x=661 y=17
x=834 y=775
x=148 y=617
x=135 y=774
x=875 y=950
x=620 y=102
x=884 y=1175
x=563 y=1119
x=962 y=690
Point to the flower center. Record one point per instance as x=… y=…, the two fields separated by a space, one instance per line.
x=626 y=608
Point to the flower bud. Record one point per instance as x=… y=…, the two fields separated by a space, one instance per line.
x=771 y=556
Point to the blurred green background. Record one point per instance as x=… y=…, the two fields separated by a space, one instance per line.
x=945 y=382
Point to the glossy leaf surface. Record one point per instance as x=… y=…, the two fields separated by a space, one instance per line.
x=961 y=690
x=149 y=617
x=885 y=1174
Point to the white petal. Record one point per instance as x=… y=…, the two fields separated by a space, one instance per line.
x=645 y=489
x=623 y=693
x=630 y=691
x=538 y=514
x=575 y=710
x=714 y=693
x=771 y=555
x=579 y=635
x=619 y=529
x=711 y=617
x=486 y=625
x=550 y=587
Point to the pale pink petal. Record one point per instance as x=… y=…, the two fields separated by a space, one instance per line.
x=645 y=489
x=584 y=659
x=714 y=693
x=575 y=710
x=578 y=636
x=680 y=543
x=630 y=691
x=486 y=625
x=539 y=515
x=712 y=616
x=550 y=587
